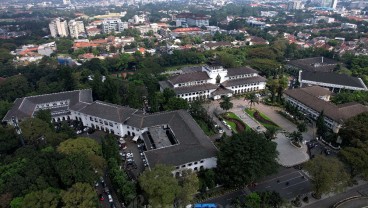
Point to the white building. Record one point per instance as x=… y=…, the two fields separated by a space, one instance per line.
x=171 y=138
x=113 y=25
x=59 y=28
x=190 y=19
x=76 y=28
x=348 y=26
x=295 y=5
x=213 y=82
x=313 y=100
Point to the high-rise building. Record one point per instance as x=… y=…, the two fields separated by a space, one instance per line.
x=59 y=27
x=329 y=3
x=295 y=5
x=67 y=2
x=113 y=25
x=76 y=28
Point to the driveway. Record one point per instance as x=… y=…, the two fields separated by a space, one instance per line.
x=290 y=155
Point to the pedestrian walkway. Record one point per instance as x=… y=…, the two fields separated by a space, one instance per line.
x=255 y=125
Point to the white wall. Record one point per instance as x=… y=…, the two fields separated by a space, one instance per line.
x=207 y=163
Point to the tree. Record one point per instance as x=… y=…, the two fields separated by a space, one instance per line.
x=46 y=198
x=75 y=168
x=226 y=104
x=8 y=140
x=218 y=79
x=355 y=129
x=4 y=107
x=177 y=104
x=246 y=157
x=207 y=179
x=189 y=184
x=80 y=195
x=44 y=115
x=296 y=137
x=86 y=146
x=327 y=173
x=160 y=186
x=356 y=159
x=253 y=99
x=252 y=200
x=321 y=126
x=302 y=127
x=271 y=132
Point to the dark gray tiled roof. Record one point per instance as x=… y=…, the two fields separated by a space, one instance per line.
x=221 y=91
x=332 y=78
x=240 y=71
x=194 y=88
x=334 y=112
x=314 y=64
x=108 y=111
x=235 y=82
x=193 y=145
x=188 y=77
x=25 y=107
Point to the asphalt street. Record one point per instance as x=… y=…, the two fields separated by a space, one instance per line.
x=298 y=184
x=288 y=184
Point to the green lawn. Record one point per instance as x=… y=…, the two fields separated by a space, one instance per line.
x=232 y=124
x=250 y=112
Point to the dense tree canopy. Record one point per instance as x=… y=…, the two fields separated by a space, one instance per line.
x=355 y=129
x=328 y=174
x=245 y=158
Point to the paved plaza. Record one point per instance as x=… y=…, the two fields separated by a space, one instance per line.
x=290 y=155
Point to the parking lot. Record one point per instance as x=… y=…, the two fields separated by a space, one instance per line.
x=317 y=148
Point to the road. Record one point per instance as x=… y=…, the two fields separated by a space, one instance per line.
x=327 y=202
x=298 y=185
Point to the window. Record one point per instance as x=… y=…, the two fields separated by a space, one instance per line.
x=183 y=166
x=202 y=161
x=190 y=164
x=128 y=127
x=110 y=124
x=177 y=167
x=195 y=163
x=90 y=118
x=105 y=122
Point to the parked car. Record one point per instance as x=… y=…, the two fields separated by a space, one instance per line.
x=110 y=198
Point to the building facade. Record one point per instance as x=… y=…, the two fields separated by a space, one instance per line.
x=313 y=100
x=113 y=25
x=59 y=28
x=190 y=19
x=213 y=82
x=76 y=28
x=171 y=138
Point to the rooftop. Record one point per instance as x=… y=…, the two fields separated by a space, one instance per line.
x=235 y=82
x=320 y=64
x=188 y=77
x=332 y=78
x=240 y=71
x=26 y=107
x=332 y=111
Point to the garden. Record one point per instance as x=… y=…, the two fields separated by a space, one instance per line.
x=236 y=124
x=261 y=118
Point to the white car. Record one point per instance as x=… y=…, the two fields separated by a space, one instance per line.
x=110 y=198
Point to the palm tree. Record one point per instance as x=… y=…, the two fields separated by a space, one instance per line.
x=270 y=134
x=253 y=99
x=296 y=137
x=226 y=104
